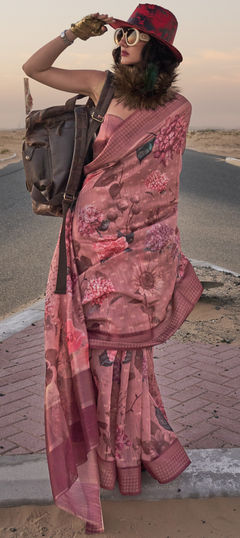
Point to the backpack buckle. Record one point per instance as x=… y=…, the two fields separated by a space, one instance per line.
x=98 y=117
x=69 y=197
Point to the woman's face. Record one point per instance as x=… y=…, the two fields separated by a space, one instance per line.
x=131 y=55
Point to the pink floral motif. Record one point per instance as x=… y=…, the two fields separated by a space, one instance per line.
x=175 y=246
x=174 y=251
x=182 y=263
x=145 y=368
x=156 y=181
x=72 y=280
x=170 y=140
x=74 y=337
x=49 y=373
x=158 y=236
x=107 y=247
x=68 y=229
x=97 y=290
x=49 y=308
x=90 y=219
x=111 y=353
x=121 y=441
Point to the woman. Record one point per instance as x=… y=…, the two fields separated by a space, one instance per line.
x=129 y=287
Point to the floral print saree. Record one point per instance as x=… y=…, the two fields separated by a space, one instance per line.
x=129 y=287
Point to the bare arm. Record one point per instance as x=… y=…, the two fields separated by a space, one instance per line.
x=39 y=67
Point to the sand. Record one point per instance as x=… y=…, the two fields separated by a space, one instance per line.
x=215 y=141
x=173 y=518
x=216 y=317
x=10 y=144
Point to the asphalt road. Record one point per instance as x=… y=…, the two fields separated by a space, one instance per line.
x=209 y=223
x=209 y=210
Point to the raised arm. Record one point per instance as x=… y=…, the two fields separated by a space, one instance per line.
x=88 y=82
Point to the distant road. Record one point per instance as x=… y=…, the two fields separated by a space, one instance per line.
x=27 y=242
x=209 y=215
x=209 y=223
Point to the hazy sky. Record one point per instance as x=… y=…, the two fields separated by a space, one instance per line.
x=208 y=37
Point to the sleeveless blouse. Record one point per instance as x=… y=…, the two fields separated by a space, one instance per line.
x=108 y=127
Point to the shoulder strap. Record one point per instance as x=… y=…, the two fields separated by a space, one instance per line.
x=97 y=116
x=84 y=132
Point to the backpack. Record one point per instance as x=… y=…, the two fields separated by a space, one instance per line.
x=56 y=146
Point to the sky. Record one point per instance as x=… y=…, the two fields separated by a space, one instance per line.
x=207 y=36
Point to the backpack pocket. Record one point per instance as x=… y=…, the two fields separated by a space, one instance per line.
x=37 y=166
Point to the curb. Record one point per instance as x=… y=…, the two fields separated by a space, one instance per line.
x=8 y=158
x=207 y=265
x=232 y=160
x=212 y=473
x=17 y=322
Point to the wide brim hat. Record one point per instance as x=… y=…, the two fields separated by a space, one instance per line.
x=156 y=21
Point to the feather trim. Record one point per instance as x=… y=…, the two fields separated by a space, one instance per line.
x=136 y=87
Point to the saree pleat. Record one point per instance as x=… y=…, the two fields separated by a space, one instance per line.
x=132 y=422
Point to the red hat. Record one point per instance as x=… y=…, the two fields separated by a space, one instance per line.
x=155 y=21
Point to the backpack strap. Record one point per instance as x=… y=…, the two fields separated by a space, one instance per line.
x=84 y=132
x=97 y=116
x=80 y=137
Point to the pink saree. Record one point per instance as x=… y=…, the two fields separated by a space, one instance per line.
x=129 y=287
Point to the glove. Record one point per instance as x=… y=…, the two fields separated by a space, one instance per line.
x=89 y=26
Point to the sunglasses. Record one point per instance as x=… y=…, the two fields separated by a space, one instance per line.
x=132 y=36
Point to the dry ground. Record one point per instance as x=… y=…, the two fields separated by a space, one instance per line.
x=216 y=317
x=10 y=143
x=216 y=142
x=174 y=518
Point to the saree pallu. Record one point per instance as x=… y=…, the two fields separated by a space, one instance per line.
x=129 y=287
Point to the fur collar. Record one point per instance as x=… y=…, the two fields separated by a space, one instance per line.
x=143 y=89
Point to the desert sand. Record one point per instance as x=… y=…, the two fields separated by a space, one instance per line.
x=216 y=317
x=11 y=144
x=173 y=518
x=215 y=141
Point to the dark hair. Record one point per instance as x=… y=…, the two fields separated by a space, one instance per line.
x=154 y=52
